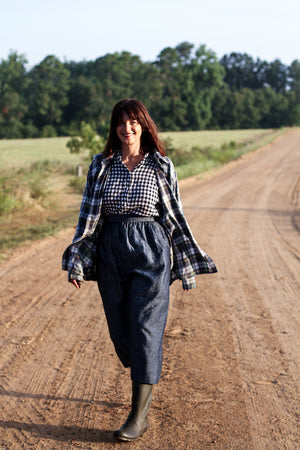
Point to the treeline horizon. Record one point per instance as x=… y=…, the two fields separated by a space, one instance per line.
x=185 y=88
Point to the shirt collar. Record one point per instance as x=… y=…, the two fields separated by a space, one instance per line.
x=118 y=155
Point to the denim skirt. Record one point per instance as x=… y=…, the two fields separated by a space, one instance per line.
x=133 y=275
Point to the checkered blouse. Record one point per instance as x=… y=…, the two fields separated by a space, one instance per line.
x=131 y=192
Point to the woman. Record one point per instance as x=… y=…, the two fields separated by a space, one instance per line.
x=133 y=239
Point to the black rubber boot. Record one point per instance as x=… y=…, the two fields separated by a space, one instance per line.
x=137 y=421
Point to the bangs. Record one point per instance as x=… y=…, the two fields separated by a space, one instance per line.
x=130 y=114
x=132 y=110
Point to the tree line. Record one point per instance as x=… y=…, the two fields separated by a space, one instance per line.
x=185 y=88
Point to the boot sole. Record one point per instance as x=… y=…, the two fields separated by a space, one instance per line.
x=127 y=439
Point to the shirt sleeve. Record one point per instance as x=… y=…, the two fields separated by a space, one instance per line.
x=72 y=262
x=173 y=180
x=85 y=203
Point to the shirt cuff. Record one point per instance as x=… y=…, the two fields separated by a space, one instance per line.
x=188 y=283
x=75 y=276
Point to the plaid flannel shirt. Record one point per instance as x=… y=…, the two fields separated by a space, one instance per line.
x=187 y=258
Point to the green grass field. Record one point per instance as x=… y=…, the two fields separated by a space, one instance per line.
x=213 y=138
x=23 y=152
x=16 y=153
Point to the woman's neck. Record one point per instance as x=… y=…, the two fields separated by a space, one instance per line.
x=130 y=152
x=131 y=157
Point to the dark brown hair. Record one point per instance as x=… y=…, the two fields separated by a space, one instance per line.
x=136 y=111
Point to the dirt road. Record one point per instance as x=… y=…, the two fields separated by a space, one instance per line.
x=231 y=362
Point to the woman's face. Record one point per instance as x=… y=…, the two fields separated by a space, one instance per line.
x=129 y=131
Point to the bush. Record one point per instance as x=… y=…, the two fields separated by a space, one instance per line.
x=48 y=131
x=38 y=187
x=197 y=159
x=87 y=140
x=11 y=129
x=7 y=203
x=30 y=131
x=77 y=184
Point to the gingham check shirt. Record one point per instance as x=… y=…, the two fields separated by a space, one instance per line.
x=188 y=259
x=131 y=192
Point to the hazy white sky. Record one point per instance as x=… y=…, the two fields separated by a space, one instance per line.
x=86 y=29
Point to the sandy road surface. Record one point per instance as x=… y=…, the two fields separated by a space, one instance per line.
x=231 y=366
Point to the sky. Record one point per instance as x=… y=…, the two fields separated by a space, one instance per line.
x=88 y=29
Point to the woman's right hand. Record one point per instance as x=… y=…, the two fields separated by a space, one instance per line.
x=76 y=283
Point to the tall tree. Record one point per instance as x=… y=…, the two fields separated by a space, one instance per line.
x=276 y=113
x=84 y=102
x=13 y=82
x=190 y=80
x=242 y=71
x=293 y=94
x=176 y=86
x=294 y=78
x=184 y=52
x=207 y=77
x=234 y=109
x=276 y=76
x=48 y=91
x=148 y=87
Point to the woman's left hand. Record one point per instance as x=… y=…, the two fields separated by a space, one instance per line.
x=76 y=283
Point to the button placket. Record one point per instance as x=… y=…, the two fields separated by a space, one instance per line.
x=130 y=185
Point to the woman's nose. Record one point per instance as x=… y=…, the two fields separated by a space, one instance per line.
x=127 y=125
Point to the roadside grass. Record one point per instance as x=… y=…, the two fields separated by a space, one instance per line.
x=29 y=226
x=212 y=138
x=40 y=194
x=198 y=160
x=36 y=202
